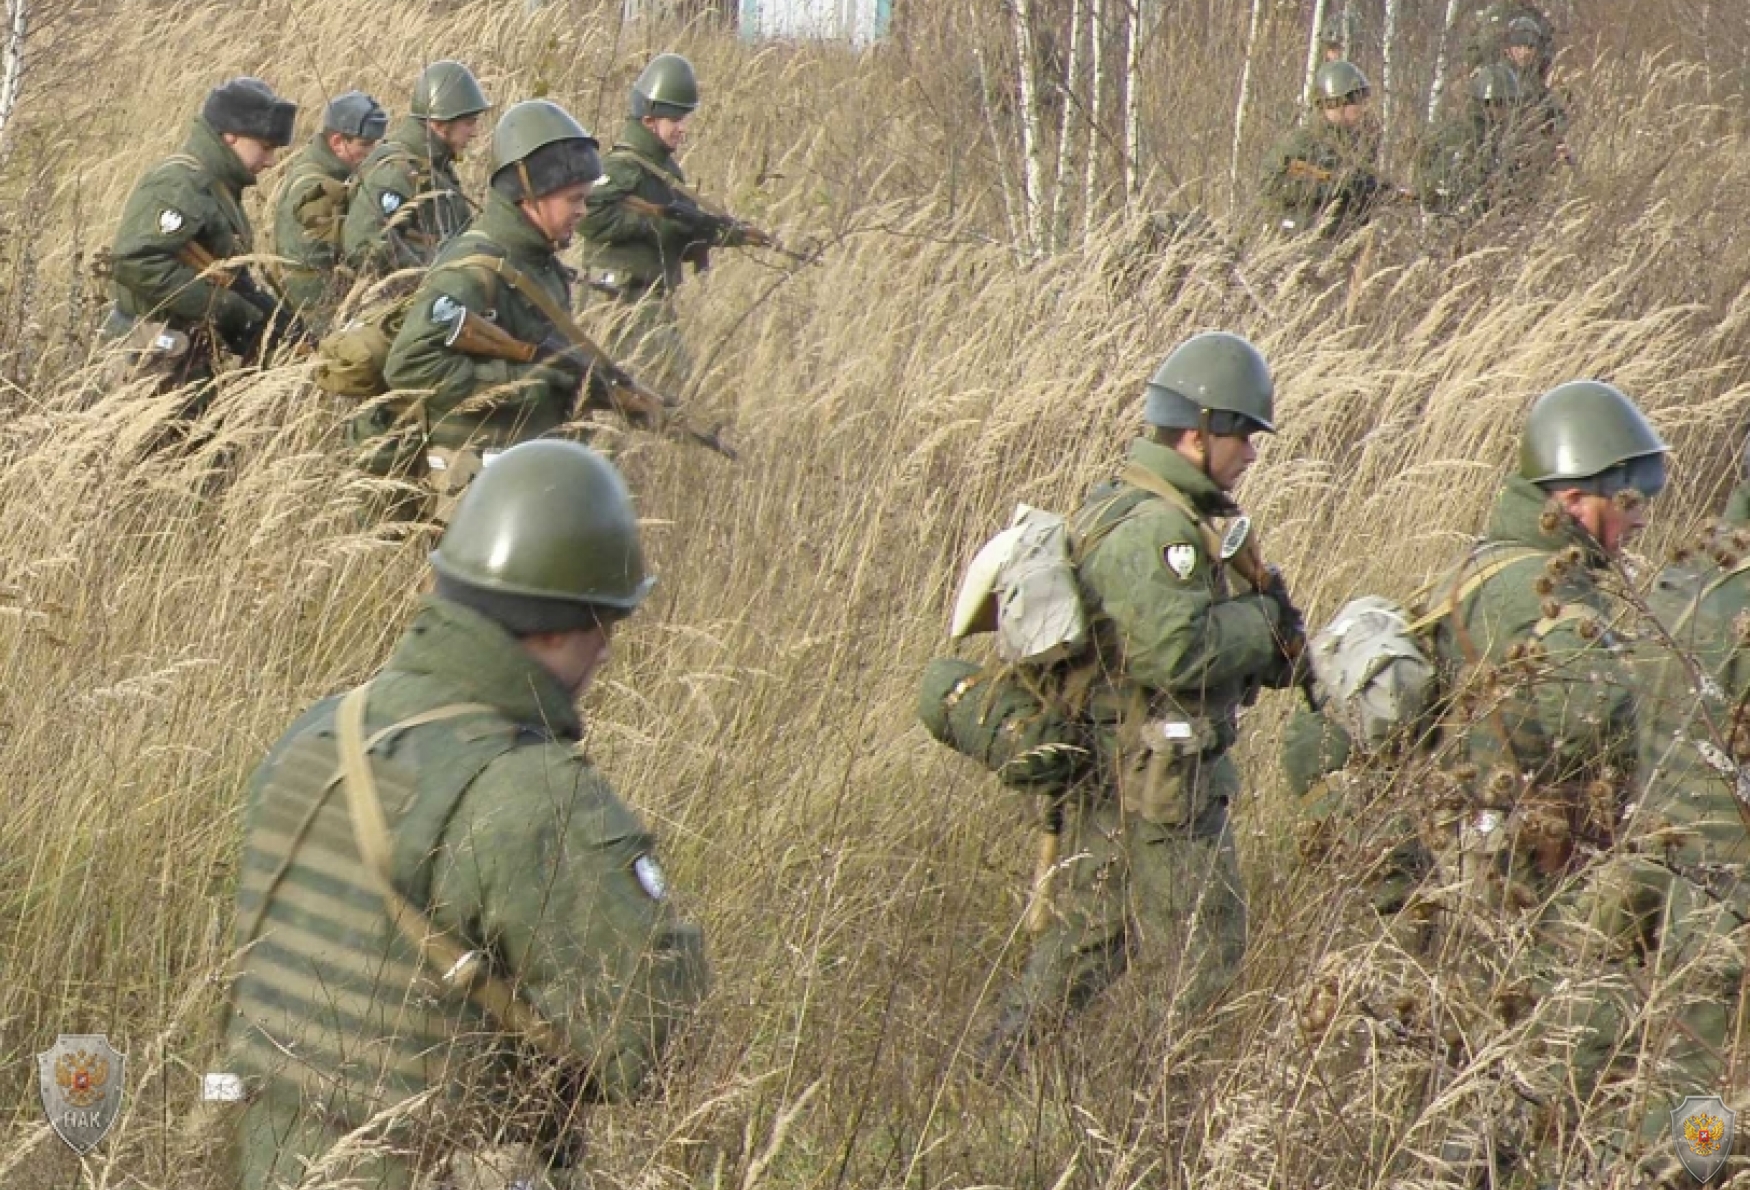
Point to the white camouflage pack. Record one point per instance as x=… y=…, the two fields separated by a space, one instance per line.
x=1372 y=673
x=1022 y=584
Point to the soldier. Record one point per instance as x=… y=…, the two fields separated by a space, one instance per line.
x=1322 y=176
x=1524 y=46
x=1151 y=861
x=505 y=270
x=184 y=214
x=1482 y=157
x=643 y=223
x=455 y=933
x=1489 y=37
x=408 y=201
x=310 y=206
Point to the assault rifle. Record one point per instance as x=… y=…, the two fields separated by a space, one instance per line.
x=473 y=335
x=714 y=223
x=279 y=325
x=1306 y=171
x=1240 y=550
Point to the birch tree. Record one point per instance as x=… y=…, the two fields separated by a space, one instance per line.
x=1133 y=12
x=1032 y=143
x=1386 y=67
x=1057 y=226
x=1440 y=57
x=12 y=64
x=1096 y=109
x=1246 y=86
x=1314 y=43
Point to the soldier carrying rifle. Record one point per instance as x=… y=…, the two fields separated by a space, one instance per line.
x=644 y=223
x=1323 y=175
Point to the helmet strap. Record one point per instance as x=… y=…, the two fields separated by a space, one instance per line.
x=522 y=173
x=1203 y=428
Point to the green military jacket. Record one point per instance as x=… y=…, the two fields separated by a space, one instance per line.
x=627 y=249
x=406 y=204
x=512 y=843
x=1323 y=176
x=519 y=401
x=309 y=212
x=1568 y=721
x=1173 y=639
x=193 y=196
x=1688 y=774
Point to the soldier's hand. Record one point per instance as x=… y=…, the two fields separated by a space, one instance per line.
x=558 y=377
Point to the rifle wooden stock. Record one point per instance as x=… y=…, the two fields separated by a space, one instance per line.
x=473 y=335
x=756 y=237
x=1306 y=171
x=196 y=257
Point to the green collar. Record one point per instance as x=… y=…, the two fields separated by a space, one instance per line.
x=1183 y=474
x=323 y=159
x=643 y=142
x=205 y=145
x=504 y=223
x=1518 y=518
x=484 y=663
x=413 y=135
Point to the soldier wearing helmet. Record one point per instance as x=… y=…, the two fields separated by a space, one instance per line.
x=1323 y=175
x=637 y=254
x=1488 y=154
x=1501 y=24
x=448 y=919
x=1179 y=647
x=505 y=270
x=188 y=206
x=408 y=201
x=309 y=206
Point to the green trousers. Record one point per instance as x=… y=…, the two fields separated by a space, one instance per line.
x=1128 y=890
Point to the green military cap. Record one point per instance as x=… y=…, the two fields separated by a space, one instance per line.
x=248 y=107
x=546 y=523
x=356 y=114
x=1336 y=83
x=447 y=91
x=668 y=88
x=1215 y=380
x=538 y=148
x=1496 y=83
x=1587 y=435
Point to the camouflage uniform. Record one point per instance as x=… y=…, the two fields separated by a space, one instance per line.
x=502 y=834
x=1323 y=174
x=1495 y=151
x=1150 y=861
x=407 y=203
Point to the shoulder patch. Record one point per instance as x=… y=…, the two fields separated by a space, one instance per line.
x=169 y=221
x=446 y=308
x=1181 y=558
x=390 y=202
x=650 y=876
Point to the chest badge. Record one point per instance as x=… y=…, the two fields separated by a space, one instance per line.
x=169 y=221
x=1181 y=559
x=1234 y=540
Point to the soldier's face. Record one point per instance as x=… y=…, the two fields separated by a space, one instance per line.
x=351 y=150
x=1223 y=457
x=459 y=133
x=256 y=155
x=672 y=133
x=1612 y=523
x=1521 y=56
x=1350 y=114
x=574 y=658
x=558 y=213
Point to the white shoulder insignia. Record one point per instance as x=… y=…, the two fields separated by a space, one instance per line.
x=169 y=221
x=445 y=308
x=650 y=876
x=1181 y=559
x=391 y=202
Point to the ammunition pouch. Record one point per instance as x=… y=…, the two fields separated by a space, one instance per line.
x=1164 y=767
x=350 y=361
x=997 y=717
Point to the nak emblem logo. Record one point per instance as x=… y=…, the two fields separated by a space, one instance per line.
x=81 y=1078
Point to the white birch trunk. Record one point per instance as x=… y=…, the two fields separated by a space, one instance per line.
x=1133 y=14
x=1058 y=225
x=1440 y=55
x=1387 y=65
x=1314 y=47
x=1096 y=93
x=1246 y=90
x=12 y=61
x=1032 y=146
x=996 y=142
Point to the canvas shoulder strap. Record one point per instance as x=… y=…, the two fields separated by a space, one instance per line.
x=667 y=179
x=1460 y=593
x=454 y=964
x=1141 y=477
x=543 y=301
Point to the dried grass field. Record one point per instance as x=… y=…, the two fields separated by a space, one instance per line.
x=861 y=888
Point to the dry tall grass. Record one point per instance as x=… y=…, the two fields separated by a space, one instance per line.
x=861 y=888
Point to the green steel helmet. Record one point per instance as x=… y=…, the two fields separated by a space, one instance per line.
x=667 y=88
x=1586 y=435
x=551 y=522
x=355 y=114
x=1215 y=374
x=1496 y=83
x=1336 y=82
x=1523 y=31
x=447 y=91
x=538 y=148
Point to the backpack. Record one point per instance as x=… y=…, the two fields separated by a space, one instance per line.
x=1374 y=664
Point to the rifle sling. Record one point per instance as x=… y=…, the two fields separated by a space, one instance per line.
x=447 y=959
x=1138 y=476
x=667 y=179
